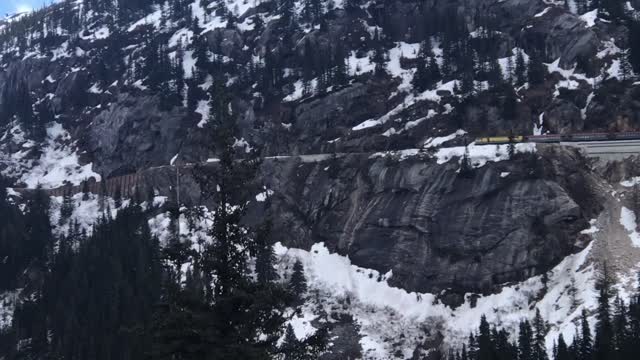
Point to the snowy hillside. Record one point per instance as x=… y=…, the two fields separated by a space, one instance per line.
x=365 y=116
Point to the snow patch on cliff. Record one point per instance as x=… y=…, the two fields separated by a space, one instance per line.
x=438 y=141
x=590 y=18
x=628 y=221
x=57 y=164
x=385 y=312
x=479 y=155
x=409 y=100
x=8 y=300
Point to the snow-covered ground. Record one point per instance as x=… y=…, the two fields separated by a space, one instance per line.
x=58 y=163
x=478 y=155
x=7 y=304
x=628 y=220
x=384 y=312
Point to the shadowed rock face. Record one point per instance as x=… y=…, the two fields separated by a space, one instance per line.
x=434 y=228
x=133 y=134
x=563 y=34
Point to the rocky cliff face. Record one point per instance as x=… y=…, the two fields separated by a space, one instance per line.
x=436 y=229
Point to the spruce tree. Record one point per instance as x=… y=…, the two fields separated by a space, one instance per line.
x=633 y=54
x=339 y=64
x=425 y=72
x=585 y=345
x=85 y=190
x=485 y=345
x=379 y=55
x=494 y=74
x=620 y=329
x=562 y=352
x=265 y=255
x=117 y=196
x=12 y=240
x=510 y=104
x=604 y=331
x=525 y=341
x=464 y=355
x=39 y=231
x=287 y=13
x=503 y=349
x=633 y=347
x=298 y=282
x=520 y=71
x=539 y=332
x=536 y=70
x=67 y=207
x=473 y=349
x=626 y=69
x=102 y=195
x=291 y=347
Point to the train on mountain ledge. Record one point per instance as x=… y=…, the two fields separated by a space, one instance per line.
x=558 y=138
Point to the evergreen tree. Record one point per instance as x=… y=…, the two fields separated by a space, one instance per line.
x=585 y=345
x=67 y=207
x=510 y=70
x=265 y=255
x=494 y=74
x=102 y=195
x=298 y=282
x=525 y=341
x=603 y=348
x=340 y=74
x=379 y=55
x=85 y=190
x=510 y=105
x=117 y=196
x=464 y=355
x=503 y=349
x=626 y=69
x=485 y=345
x=620 y=329
x=562 y=352
x=539 y=347
x=536 y=70
x=427 y=71
x=312 y=11
x=291 y=347
x=39 y=230
x=17 y=253
x=520 y=71
x=633 y=345
x=633 y=54
x=473 y=348
x=287 y=13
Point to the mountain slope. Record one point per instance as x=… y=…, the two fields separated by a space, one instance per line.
x=380 y=96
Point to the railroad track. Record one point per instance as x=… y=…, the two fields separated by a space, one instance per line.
x=607 y=150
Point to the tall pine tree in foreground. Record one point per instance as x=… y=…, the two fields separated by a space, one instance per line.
x=221 y=312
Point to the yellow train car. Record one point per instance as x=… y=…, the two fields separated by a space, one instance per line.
x=499 y=140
